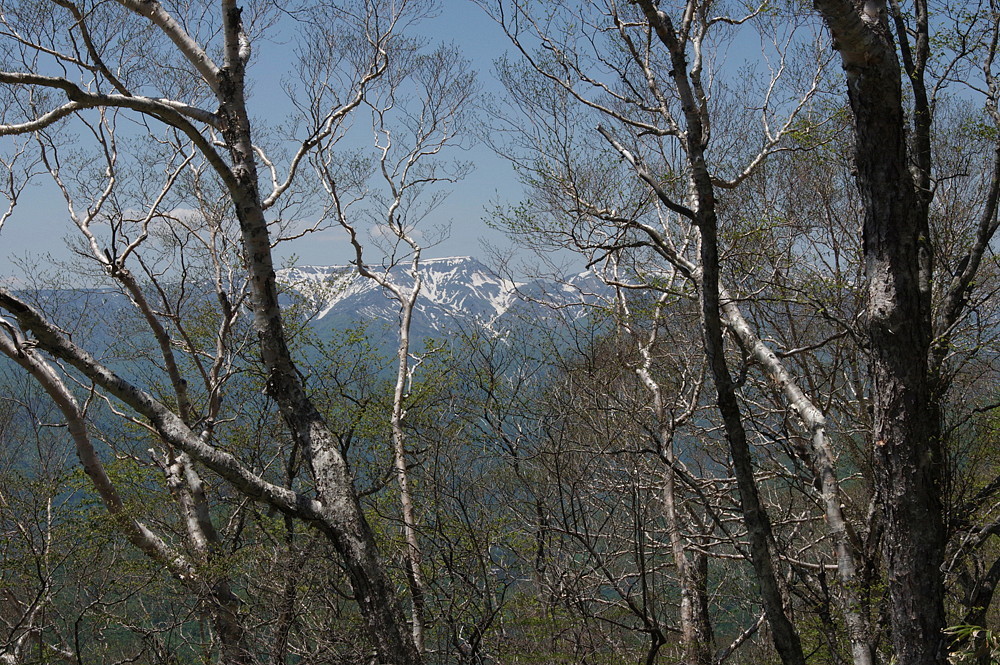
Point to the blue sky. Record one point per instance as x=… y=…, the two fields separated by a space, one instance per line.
x=481 y=41
x=40 y=223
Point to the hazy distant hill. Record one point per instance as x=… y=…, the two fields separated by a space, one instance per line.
x=457 y=293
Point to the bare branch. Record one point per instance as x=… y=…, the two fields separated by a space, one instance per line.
x=170 y=426
x=186 y=44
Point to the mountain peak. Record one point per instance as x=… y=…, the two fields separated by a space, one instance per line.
x=453 y=289
x=456 y=286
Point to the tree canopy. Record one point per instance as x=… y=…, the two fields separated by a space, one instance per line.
x=760 y=428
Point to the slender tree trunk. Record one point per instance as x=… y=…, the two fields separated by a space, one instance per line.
x=823 y=463
x=344 y=521
x=228 y=625
x=415 y=576
x=696 y=629
x=755 y=517
x=695 y=625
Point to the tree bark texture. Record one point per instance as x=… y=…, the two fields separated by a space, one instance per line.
x=906 y=438
x=335 y=509
x=344 y=520
x=692 y=575
x=415 y=577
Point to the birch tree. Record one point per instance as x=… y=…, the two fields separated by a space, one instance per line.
x=409 y=143
x=671 y=119
x=881 y=48
x=71 y=69
x=635 y=75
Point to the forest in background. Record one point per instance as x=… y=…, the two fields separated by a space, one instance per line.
x=769 y=436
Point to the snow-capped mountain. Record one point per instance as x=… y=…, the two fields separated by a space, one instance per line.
x=456 y=291
x=457 y=286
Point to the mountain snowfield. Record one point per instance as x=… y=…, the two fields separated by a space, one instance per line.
x=455 y=290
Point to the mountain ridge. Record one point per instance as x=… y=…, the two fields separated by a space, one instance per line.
x=454 y=289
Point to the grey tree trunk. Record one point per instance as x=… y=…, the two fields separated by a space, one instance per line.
x=344 y=520
x=755 y=517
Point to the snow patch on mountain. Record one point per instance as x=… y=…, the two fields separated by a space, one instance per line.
x=452 y=288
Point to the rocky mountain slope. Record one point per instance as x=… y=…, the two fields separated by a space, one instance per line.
x=456 y=291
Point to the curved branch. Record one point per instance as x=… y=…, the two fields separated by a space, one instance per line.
x=42 y=121
x=168 y=425
x=643 y=172
x=173 y=113
x=90 y=100
x=327 y=128
x=91 y=48
x=138 y=534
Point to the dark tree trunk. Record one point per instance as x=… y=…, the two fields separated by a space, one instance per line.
x=906 y=437
x=701 y=618
x=755 y=517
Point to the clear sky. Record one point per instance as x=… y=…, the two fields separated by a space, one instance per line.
x=40 y=223
x=481 y=41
